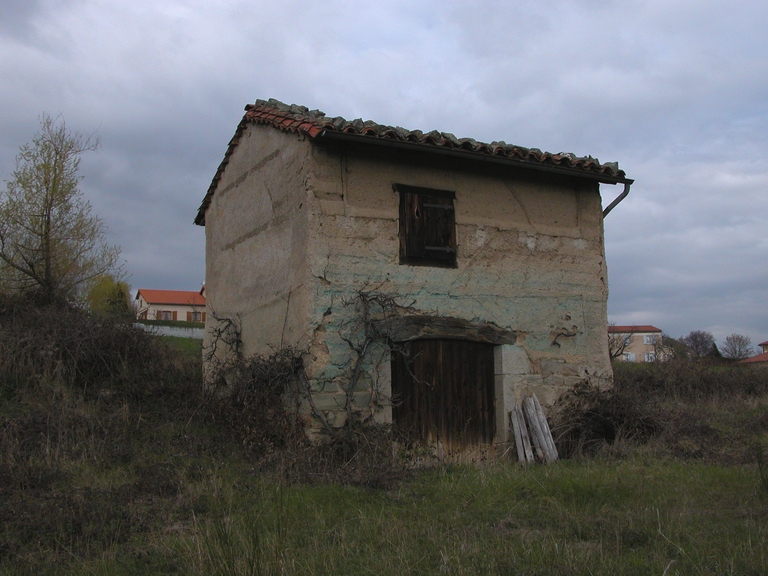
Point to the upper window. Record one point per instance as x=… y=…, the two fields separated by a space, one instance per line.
x=649 y=339
x=427 y=226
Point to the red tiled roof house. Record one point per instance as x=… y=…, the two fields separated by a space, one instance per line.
x=180 y=305
x=490 y=258
x=760 y=358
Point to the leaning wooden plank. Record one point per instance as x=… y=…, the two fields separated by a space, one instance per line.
x=518 y=436
x=524 y=434
x=545 y=429
x=533 y=424
x=539 y=427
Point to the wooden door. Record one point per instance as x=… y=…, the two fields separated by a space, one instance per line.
x=443 y=391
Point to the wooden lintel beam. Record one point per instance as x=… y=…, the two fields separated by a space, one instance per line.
x=422 y=327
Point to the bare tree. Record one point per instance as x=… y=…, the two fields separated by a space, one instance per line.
x=700 y=343
x=618 y=342
x=738 y=346
x=666 y=348
x=50 y=243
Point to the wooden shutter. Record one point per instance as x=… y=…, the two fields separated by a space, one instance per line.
x=189 y=316
x=174 y=314
x=414 y=232
x=427 y=226
x=439 y=228
x=203 y=316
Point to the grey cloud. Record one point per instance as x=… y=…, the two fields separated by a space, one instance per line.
x=16 y=18
x=675 y=91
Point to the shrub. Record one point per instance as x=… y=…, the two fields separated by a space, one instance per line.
x=587 y=418
x=690 y=379
x=256 y=401
x=50 y=346
x=693 y=408
x=250 y=398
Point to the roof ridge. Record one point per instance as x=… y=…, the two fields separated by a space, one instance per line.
x=294 y=118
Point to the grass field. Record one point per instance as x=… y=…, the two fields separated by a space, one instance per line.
x=109 y=477
x=634 y=516
x=188 y=346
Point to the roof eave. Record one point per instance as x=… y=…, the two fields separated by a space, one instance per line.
x=328 y=136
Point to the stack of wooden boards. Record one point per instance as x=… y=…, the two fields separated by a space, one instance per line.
x=530 y=417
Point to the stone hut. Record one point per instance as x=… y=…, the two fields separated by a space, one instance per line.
x=431 y=281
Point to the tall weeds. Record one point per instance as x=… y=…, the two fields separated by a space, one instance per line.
x=80 y=401
x=688 y=408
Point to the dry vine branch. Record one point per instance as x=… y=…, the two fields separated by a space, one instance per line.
x=226 y=331
x=361 y=333
x=371 y=308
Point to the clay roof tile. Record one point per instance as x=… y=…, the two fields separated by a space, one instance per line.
x=174 y=297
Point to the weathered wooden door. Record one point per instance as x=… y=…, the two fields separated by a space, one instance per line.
x=443 y=391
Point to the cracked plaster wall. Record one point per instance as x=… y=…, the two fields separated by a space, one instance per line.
x=530 y=258
x=257 y=243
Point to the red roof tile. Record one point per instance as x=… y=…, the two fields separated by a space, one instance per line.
x=176 y=297
x=315 y=124
x=763 y=343
x=758 y=358
x=632 y=329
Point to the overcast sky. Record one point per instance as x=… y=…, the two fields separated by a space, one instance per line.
x=676 y=91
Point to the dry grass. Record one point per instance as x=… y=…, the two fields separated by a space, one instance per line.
x=682 y=409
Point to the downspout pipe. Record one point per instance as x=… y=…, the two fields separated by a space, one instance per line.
x=619 y=198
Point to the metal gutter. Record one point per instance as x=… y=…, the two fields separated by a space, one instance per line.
x=345 y=138
x=618 y=199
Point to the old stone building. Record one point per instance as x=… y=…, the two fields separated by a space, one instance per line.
x=431 y=281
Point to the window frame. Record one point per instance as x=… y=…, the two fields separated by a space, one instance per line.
x=196 y=316
x=419 y=242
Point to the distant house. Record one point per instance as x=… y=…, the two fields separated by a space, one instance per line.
x=760 y=357
x=634 y=343
x=182 y=305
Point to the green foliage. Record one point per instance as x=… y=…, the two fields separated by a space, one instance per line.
x=110 y=297
x=50 y=243
x=762 y=466
x=671 y=348
x=683 y=408
x=691 y=379
x=190 y=347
